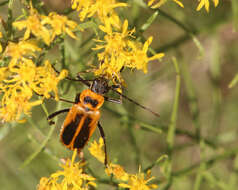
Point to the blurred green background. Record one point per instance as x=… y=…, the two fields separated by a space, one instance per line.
x=206 y=48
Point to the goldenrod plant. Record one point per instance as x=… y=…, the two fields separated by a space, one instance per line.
x=173 y=58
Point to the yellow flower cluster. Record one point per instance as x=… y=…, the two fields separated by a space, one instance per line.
x=202 y=3
x=131 y=181
x=45 y=27
x=139 y=181
x=103 y=9
x=20 y=77
x=119 y=48
x=120 y=51
x=71 y=177
x=22 y=51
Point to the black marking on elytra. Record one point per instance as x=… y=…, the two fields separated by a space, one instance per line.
x=83 y=135
x=91 y=101
x=69 y=130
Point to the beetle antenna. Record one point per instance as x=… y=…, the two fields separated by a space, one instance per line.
x=61 y=99
x=136 y=103
x=68 y=101
x=80 y=79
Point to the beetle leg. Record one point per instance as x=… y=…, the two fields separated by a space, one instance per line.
x=104 y=141
x=51 y=116
x=117 y=101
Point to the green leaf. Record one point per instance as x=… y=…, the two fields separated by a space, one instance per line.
x=234 y=81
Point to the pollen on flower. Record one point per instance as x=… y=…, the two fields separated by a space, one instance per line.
x=71 y=177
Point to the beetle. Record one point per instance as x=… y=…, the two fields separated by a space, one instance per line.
x=83 y=117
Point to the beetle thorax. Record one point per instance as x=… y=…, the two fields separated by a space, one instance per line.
x=91 y=100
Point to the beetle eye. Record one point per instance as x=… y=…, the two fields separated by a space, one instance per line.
x=89 y=100
x=94 y=103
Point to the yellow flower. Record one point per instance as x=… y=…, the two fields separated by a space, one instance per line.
x=206 y=4
x=21 y=50
x=134 y=181
x=46 y=80
x=139 y=182
x=139 y=58
x=96 y=149
x=16 y=101
x=71 y=177
x=3 y=75
x=33 y=25
x=103 y=8
x=59 y=24
x=45 y=27
x=161 y=2
x=18 y=83
x=16 y=96
x=118 y=171
x=120 y=50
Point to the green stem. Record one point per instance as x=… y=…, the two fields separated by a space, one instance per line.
x=9 y=19
x=177 y=22
x=162 y=128
x=234 y=4
x=90 y=24
x=192 y=98
x=157 y=162
x=173 y=119
x=39 y=149
x=190 y=33
x=195 y=113
x=89 y=39
x=209 y=163
x=62 y=51
x=175 y=43
x=202 y=168
x=215 y=79
x=182 y=39
x=46 y=150
x=172 y=125
x=133 y=142
x=42 y=146
x=148 y=22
